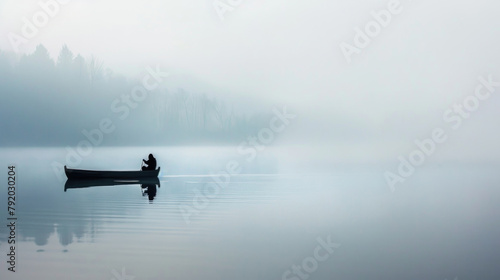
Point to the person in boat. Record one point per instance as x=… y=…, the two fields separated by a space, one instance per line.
x=151 y=163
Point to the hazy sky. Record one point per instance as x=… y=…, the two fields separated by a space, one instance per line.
x=396 y=89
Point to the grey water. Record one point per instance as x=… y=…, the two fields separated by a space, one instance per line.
x=280 y=217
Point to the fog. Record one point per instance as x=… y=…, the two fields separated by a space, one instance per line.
x=254 y=57
x=328 y=111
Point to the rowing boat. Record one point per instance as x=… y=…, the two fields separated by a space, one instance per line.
x=117 y=175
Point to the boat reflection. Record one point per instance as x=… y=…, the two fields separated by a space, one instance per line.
x=149 y=190
x=148 y=185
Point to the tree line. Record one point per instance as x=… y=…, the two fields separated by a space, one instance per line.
x=54 y=99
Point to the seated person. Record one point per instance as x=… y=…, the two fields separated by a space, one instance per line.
x=151 y=163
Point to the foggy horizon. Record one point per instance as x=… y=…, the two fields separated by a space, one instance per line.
x=232 y=139
x=391 y=93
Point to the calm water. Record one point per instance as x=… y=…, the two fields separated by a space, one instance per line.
x=330 y=223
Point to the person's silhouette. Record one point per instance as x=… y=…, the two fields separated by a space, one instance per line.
x=151 y=163
x=150 y=190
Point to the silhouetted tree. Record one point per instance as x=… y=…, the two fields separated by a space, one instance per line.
x=38 y=63
x=38 y=68
x=42 y=56
x=65 y=59
x=95 y=70
x=80 y=69
x=204 y=110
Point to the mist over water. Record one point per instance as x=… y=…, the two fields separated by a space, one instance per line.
x=265 y=220
x=297 y=140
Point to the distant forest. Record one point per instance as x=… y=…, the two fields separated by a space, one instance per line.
x=48 y=102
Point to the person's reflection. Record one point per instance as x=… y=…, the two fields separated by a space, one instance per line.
x=149 y=190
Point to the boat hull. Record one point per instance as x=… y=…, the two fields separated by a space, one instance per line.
x=81 y=174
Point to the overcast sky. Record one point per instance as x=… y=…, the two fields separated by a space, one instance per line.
x=394 y=90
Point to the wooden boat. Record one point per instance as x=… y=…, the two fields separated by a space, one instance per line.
x=95 y=174
x=87 y=183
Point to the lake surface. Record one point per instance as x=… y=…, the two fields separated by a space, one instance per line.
x=275 y=219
